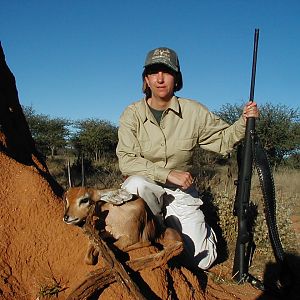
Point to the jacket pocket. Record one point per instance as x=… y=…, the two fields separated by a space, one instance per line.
x=145 y=146
x=186 y=144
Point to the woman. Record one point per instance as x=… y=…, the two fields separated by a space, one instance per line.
x=157 y=138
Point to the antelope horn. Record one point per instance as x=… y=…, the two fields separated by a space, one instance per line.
x=82 y=172
x=69 y=173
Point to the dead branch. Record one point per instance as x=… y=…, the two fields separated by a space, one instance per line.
x=156 y=260
x=114 y=271
x=97 y=280
x=114 y=265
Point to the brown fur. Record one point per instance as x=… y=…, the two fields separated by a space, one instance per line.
x=131 y=224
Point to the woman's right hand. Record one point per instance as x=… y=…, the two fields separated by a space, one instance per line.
x=183 y=179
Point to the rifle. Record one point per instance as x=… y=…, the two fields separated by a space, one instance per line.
x=250 y=151
x=244 y=244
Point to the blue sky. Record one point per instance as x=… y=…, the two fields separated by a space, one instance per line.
x=84 y=59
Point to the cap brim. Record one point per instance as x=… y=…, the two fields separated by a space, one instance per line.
x=162 y=62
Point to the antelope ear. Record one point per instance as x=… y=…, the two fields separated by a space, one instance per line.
x=95 y=195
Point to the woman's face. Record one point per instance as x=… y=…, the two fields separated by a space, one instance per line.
x=161 y=82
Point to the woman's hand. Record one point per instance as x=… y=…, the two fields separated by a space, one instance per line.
x=183 y=179
x=250 y=110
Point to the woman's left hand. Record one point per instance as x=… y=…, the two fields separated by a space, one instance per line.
x=250 y=110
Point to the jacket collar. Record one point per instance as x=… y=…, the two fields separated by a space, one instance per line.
x=146 y=113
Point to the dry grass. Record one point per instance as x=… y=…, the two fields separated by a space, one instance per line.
x=287 y=203
x=103 y=174
x=287 y=184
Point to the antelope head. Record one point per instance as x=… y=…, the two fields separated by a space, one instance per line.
x=77 y=201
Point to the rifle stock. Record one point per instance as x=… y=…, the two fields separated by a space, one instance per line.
x=241 y=207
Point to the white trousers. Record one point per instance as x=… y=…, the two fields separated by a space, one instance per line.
x=181 y=212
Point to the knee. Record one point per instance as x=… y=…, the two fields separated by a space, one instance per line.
x=146 y=189
x=135 y=184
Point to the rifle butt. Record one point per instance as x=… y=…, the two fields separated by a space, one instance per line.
x=239 y=264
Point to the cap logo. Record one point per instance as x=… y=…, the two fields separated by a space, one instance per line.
x=161 y=53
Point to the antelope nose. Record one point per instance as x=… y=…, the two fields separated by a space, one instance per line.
x=66 y=218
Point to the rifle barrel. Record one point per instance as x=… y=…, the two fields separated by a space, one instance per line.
x=256 y=35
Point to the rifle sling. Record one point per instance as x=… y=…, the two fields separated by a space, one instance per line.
x=268 y=190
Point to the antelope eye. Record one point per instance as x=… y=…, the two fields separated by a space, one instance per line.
x=84 y=201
